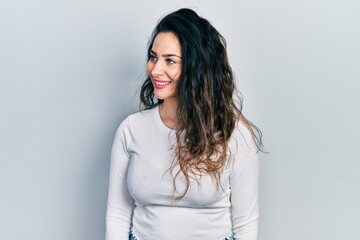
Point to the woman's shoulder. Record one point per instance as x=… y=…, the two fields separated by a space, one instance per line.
x=141 y=116
x=243 y=129
x=138 y=119
x=243 y=136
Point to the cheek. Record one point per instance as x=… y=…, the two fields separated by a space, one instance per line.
x=176 y=74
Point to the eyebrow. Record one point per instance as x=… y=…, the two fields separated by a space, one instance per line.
x=166 y=55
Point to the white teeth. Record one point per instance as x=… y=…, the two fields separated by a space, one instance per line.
x=162 y=83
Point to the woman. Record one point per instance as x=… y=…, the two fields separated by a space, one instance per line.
x=186 y=167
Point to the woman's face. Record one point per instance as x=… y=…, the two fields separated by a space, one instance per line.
x=164 y=65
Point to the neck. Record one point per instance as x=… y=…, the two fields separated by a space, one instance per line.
x=168 y=113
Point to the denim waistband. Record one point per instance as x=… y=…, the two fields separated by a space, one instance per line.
x=132 y=237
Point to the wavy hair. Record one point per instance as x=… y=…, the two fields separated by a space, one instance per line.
x=208 y=108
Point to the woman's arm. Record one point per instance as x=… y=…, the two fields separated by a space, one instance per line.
x=120 y=202
x=244 y=187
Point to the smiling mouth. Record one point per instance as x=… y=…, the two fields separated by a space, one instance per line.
x=161 y=84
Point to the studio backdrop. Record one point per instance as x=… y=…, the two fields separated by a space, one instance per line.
x=70 y=72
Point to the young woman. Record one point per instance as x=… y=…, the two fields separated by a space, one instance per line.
x=186 y=167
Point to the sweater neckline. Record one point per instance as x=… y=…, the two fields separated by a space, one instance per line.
x=160 y=121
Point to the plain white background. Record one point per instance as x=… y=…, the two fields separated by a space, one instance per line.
x=70 y=71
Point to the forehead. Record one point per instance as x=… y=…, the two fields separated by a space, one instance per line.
x=166 y=43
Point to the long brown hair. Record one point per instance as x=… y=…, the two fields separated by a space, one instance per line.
x=208 y=109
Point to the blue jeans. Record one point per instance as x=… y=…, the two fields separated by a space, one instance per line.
x=132 y=237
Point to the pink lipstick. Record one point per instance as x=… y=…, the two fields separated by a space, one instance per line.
x=161 y=84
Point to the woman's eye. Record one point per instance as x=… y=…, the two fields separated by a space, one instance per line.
x=153 y=58
x=170 y=61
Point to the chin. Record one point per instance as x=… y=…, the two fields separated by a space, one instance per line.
x=160 y=97
x=163 y=96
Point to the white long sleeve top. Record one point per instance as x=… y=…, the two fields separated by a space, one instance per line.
x=141 y=193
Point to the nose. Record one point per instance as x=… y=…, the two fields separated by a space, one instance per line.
x=158 y=69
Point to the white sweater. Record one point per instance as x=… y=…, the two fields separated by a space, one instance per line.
x=141 y=192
